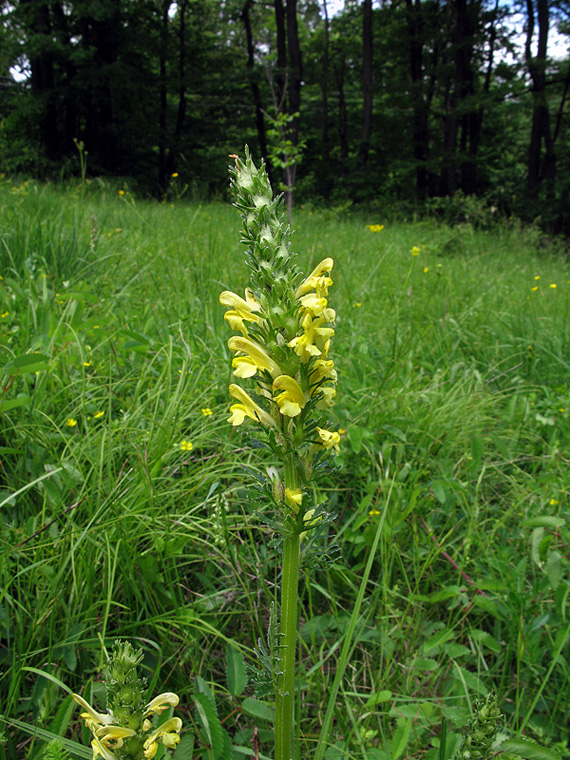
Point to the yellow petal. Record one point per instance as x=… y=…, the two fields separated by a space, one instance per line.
x=255 y=352
x=248 y=406
x=291 y=386
x=162 y=702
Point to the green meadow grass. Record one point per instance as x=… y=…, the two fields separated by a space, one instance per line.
x=454 y=397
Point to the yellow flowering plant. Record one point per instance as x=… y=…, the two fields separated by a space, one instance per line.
x=126 y=731
x=285 y=327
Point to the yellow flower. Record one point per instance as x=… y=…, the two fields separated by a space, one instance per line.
x=375 y=227
x=93 y=719
x=356 y=305
x=553 y=502
x=240 y=310
x=4 y=314
x=168 y=733
x=317 y=280
x=256 y=358
x=304 y=345
x=292 y=400
x=328 y=438
x=114 y=734
x=186 y=446
x=327 y=399
x=247 y=408
x=537 y=277
x=374 y=512
x=553 y=285
x=207 y=412
x=294 y=498
x=99 y=749
x=415 y=251
x=162 y=702
x=87 y=364
x=71 y=422
x=426 y=269
x=121 y=192
x=97 y=415
x=535 y=288
x=174 y=174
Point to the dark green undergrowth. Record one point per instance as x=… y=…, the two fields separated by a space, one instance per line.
x=122 y=506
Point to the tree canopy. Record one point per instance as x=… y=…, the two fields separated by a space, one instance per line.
x=401 y=101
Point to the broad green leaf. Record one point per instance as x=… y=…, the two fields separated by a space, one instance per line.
x=381 y=696
x=210 y=723
x=235 y=670
x=528 y=750
x=185 y=748
x=258 y=709
x=486 y=640
x=438 y=491
x=355 y=436
x=546 y=521
x=425 y=663
x=554 y=569
x=439 y=638
x=401 y=738
x=14 y=403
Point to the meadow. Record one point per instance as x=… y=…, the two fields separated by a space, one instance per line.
x=123 y=509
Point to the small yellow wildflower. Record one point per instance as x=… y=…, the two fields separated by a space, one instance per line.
x=375 y=227
x=374 y=512
x=357 y=304
x=71 y=422
x=174 y=175
x=553 y=285
x=97 y=415
x=207 y=411
x=186 y=446
x=87 y=364
x=294 y=498
x=328 y=438
x=4 y=314
x=553 y=502
x=292 y=400
x=535 y=288
x=121 y=192
x=426 y=269
x=537 y=277
x=415 y=251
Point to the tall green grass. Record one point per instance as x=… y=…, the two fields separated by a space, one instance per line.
x=453 y=395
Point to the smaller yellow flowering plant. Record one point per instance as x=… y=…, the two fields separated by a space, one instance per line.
x=127 y=731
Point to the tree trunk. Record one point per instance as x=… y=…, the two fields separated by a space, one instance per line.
x=42 y=77
x=420 y=129
x=324 y=84
x=364 y=147
x=295 y=73
x=342 y=115
x=259 y=120
x=163 y=102
x=539 y=169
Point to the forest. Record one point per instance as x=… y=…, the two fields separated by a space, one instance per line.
x=456 y=108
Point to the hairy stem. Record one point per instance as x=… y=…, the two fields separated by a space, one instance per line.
x=285 y=696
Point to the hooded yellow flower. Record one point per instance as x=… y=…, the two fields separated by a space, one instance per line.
x=162 y=702
x=317 y=280
x=255 y=358
x=241 y=310
x=328 y=438
x=168 y=733
x=247 y=408
x=292 y=400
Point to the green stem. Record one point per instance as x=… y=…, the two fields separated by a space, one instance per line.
x=285 y=695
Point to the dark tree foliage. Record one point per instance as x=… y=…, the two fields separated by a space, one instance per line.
x=392 y=101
